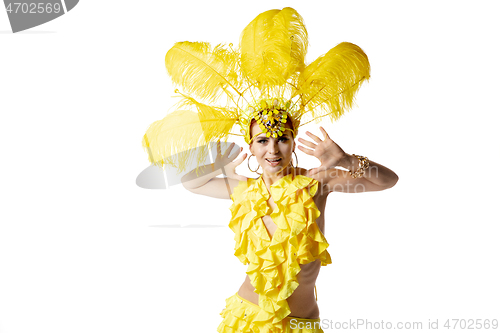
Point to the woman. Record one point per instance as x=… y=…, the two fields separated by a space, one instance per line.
x=302 y=304
x=278 y=218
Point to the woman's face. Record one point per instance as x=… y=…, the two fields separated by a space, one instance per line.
x=265 y=148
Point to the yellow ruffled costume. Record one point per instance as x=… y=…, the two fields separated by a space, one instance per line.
x=273 y=263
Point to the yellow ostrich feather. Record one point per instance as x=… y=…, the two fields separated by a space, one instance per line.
x=289 y=25
x=201 y=70
x=328 y=85
x=182 y=137
x=273 y=48
x=173 y=140
x=216 y=122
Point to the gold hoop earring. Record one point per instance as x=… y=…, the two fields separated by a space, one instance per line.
x=248 y=163
x=296 y=160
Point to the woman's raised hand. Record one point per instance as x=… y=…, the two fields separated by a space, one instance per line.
x=228 y=162
x=327 y=151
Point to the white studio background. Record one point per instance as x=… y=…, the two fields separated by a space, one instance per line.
x=84 y=249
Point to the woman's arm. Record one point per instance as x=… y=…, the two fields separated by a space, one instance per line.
x=191 y=180
x=375 y=173
x=376 y=177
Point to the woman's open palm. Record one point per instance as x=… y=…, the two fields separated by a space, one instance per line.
x=326 y=151
x=228 y=162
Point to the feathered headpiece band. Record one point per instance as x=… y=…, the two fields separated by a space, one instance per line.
x=266 y=79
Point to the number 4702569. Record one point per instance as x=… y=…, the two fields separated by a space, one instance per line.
x=33 y=8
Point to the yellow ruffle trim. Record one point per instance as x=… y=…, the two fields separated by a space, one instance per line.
x=239 y=315
x=273 y=263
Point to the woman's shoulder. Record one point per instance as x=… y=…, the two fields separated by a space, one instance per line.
x=239 y=186
x=305 y=173
x=319 y=190
x=301 y=171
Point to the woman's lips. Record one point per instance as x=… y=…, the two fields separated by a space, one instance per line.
x=274 y=163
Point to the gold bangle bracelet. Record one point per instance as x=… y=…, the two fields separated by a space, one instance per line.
x=363 y=165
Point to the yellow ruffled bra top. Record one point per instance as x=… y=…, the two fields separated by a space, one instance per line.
x=273 y=262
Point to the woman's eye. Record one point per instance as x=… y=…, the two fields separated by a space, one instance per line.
x=264 y=141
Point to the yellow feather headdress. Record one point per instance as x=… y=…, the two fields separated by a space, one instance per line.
x=266 y=79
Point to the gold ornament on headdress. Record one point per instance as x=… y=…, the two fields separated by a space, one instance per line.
x=266 y=79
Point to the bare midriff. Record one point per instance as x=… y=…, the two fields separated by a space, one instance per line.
x=302 y=302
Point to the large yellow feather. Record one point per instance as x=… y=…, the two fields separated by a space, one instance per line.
x=172 y=140
x=273 y=48
x=203 y=71
x=182 y=137
x=289 y=25
x=216 y=122
x=329 y=84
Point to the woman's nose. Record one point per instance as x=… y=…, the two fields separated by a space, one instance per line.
x=273 y=146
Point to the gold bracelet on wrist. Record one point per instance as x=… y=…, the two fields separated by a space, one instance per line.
x=363 y=165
